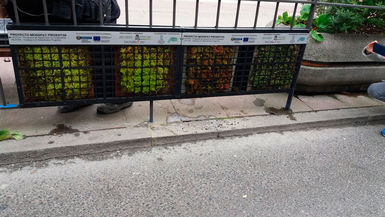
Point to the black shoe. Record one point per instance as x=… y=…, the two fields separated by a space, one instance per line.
x=70 y=108
x=110 y=108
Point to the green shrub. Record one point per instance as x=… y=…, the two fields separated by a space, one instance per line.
x=332 y=19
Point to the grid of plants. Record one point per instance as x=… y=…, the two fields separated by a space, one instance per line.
x=58 y=73
x=273 y=67
x=145 y=70
x=208 y=69
x=55 y=73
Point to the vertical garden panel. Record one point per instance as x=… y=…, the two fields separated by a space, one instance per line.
x=55 y=73
x=273 y=67
x=209 y=69
x=145 y=70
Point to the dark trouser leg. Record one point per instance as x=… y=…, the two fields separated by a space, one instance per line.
x=110 y=108
x=377 y=90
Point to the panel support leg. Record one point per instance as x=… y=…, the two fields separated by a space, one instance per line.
x=3 y=104
x=289 y=99
x=2 y=95
x=151 y=110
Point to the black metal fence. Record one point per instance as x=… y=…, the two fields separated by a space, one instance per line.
x=58 y=63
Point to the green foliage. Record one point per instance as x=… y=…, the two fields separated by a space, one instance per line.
x=44 y=67
x=316 y=36
x=339 y=19
x=267 y=73
x=6 y=134
x=144 y=70
x=343 y=19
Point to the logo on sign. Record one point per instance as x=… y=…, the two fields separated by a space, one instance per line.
x=83 y=37
x=301 y=39
x=172 y=39
x=96 y=38
x=245 y=39
x=236 y=39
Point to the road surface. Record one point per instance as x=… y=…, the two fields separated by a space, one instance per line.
x=321 y=172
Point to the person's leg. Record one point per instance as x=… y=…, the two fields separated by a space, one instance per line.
x=70 y=108
x=110 y=108
x=377 y=91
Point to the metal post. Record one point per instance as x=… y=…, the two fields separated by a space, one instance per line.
x=311 y=15
x=275 y=14
x=2 y=95
x=150 y=13
x=237 y=15
x=126 y=9
x=101 y=17
x=293 y=18
x=173 y=13
x=45 y=12
x=297 y=68
x=256 y=14
x=74 y=13
x=218 y=12
x=196 y=13
x=151 y=110
x=16 y=11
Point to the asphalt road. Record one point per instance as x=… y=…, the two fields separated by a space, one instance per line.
x=327 y=172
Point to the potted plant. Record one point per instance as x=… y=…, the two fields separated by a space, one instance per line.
x=333 y=60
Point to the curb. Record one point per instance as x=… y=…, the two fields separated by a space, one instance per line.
x=42 y=148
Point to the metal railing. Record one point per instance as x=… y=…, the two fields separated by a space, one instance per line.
x=314 y=3
x=185 y=70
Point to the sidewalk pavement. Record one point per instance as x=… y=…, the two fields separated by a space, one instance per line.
x=50 y=134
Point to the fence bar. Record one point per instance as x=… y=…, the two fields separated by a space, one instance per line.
x=74 y=13
x=237 y=15
x=288 y=1
x=101 y=17
x=351 y=5
x=218 y=12
x=150 y=13
x=311 y=15
x=275 y=14
x=2 y=95
x=256 y=14
x=325 y=3
x=196 y=13
x=294 y=81
x=45 y=12
x=293 y=18
x=173 y=13
x=16 y=11
x=151 y=111
x=126 y=9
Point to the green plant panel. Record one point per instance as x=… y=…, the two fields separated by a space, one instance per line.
x=145 y=70
x=274 y=67
x=49 y=74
